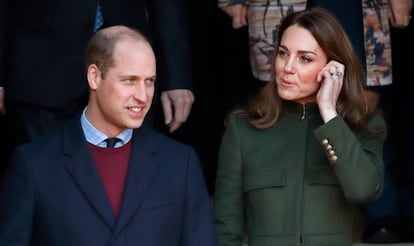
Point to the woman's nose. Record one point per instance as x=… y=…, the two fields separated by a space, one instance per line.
x=289 y=66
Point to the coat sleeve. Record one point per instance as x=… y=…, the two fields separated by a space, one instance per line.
x=198 y=221
x=16 y=203
x=356 y=157
x=228 y=199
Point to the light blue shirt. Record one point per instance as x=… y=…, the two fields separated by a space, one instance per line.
x=96 y=137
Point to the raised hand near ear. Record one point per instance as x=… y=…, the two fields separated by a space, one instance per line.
x=331 y=77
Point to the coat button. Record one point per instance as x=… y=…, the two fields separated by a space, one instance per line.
x=325 y=141
x=328 y=147
x=333 y=159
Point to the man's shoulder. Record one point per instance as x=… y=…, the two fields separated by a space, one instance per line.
x=53 y=138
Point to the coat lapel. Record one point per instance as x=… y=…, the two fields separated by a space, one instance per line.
x=141 y=173
x=82 y=168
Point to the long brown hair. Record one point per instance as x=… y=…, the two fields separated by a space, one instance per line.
x=265 y=109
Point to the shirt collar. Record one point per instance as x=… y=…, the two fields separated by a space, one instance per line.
x=96 y=137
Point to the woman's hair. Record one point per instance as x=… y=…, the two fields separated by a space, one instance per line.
x=101 y=47
x=265 y=109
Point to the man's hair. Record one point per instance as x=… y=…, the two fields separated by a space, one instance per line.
x=101 y=46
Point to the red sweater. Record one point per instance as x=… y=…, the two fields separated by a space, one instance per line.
x=112 y=165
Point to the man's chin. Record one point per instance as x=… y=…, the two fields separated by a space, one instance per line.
x=135 y=124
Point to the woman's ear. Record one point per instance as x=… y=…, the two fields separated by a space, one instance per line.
x=93 y=76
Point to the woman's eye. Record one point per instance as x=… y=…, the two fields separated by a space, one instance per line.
x=281 y=53
x=306 y=59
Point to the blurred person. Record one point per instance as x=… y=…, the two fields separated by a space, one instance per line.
x=72 y=187
x=296 y=162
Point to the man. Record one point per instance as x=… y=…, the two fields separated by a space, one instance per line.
x=67 y=188
x=41 y=58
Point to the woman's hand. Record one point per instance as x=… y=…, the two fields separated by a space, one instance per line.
x=331 y=77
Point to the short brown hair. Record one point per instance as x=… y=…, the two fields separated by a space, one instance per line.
x=101 y=47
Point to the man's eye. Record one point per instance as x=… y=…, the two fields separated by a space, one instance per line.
x=150 y=81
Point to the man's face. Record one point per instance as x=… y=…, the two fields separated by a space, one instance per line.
x=123 y=98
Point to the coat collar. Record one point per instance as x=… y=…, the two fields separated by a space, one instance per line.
x=141 y=172
x=301 y=111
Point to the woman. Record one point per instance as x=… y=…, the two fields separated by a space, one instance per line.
x=262 y=17
x=295 y=162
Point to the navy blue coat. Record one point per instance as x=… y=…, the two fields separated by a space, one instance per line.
x=52 y=195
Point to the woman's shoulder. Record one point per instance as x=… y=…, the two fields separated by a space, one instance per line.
x=237 y=118
x=376 y=121
x=376 y=124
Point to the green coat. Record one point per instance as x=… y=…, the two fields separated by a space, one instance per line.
x=296 y=183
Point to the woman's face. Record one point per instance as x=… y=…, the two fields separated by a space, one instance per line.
x=298 y=61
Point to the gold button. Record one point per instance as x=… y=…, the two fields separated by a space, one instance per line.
x=331 y=152
x=333 y=159
x=325 y=141
x=328 y=147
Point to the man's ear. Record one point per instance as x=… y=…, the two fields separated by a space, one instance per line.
x=94 y=76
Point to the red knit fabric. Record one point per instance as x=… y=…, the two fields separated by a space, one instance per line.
x=112 y=165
